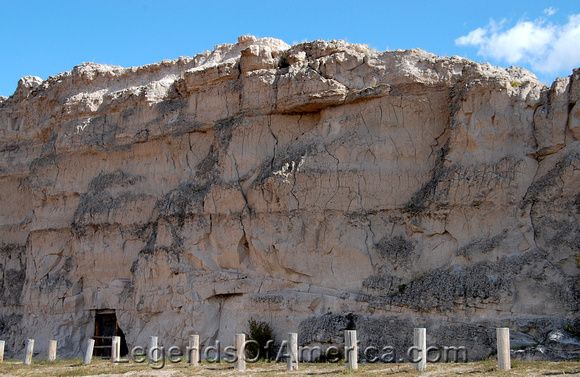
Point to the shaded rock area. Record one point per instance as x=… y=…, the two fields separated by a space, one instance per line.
x=318 y=187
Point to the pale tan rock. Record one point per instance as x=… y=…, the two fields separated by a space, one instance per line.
x=291 y=184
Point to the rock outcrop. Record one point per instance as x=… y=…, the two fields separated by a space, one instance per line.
x=293 y=185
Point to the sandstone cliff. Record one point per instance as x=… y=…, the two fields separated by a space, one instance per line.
x=294 y=185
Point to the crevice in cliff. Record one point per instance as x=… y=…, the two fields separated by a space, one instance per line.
x=540 y=185
x=329 y=78
x=370 y=230
x=420 y=199
x=276 y=140
x=13 y=271
x=293 y=193
x=570 y=107
x=190 y=150
x=239 y=86
x=244 y=244
x=337 y=175
x=239 y=184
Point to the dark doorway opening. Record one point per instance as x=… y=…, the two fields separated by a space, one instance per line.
x=106 y=327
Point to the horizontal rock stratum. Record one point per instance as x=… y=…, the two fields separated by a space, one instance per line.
x=313 y=187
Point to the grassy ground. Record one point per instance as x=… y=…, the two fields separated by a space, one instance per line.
x=63 y=368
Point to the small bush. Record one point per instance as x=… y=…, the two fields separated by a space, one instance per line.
x=261 y=333
x=515 y=84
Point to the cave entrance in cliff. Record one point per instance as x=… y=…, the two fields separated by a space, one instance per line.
x=106 y=326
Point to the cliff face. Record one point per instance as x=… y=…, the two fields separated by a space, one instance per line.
x=293 y=185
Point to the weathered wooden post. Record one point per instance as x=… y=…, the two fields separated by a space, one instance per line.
x=193 y=350
x=420 y=343
x=118 y=351
x=292 y=351
x=503 y=348
x=89 y=352
x=153 y=350
x=52 y=350
x=240 y=341
x=29 y=351
x=351 y=349
x=115 y=347
x=2 y=344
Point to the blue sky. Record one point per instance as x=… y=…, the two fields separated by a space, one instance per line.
x=43 y=38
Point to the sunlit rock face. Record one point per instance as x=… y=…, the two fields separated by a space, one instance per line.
x=293 y=185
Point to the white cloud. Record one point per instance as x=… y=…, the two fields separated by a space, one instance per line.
x=550 y=11
x=474 y=37
x=545 y=47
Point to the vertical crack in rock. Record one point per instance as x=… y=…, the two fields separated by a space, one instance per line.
x=421 y=199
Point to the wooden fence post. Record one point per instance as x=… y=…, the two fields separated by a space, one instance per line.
x=193 y=350
x=29 y=351
x=292 y=351
x=115 y=347
x=420 y=343
x=503 y=348
x=52 y=350
x=154 y=353
x=240 y=341
x=351 y=349
x=89 y=352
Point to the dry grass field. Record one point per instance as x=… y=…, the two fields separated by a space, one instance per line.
x=64 y=368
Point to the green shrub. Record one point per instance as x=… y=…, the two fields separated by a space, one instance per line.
x=261 y=333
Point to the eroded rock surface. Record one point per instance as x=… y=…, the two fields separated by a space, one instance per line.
x=294 y=185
